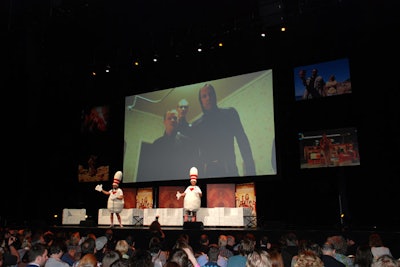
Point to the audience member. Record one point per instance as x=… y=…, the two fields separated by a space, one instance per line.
x=223 y=250
x=289 y=247
x=215 y=133
x=385 y=261
x=203 y=245
x=122 y=247
x=308 y=258
x=179 y=256
x=37 y=255
x=363 y=256
x=246 y=246
x=88 y=246
x=328 y=256
x=377 y=247
x=111 y=241
x=264 y=243
x=309 y=245
x=275 y=257
x=156 y=231
x=109 y=258
x=88 y=260
x=56 y=250
x=141 y=258
x=101 y=247
x=230 y=244
x=131 y=242
x=159 y=256
x=212 y=254
x=340 y=245
x=258 y=258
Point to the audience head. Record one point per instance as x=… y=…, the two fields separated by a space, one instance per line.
x=363 y=257
x=179 y=256
x=308 y=258
x=141 y=258
x=38 y=253
x=222 y=241
x=89 y=260
x=213 y=253
x=88 y=246
x=375 y=240
x=109 y=258
x=339 y=243
x=122 y=246
x=246 y=246
x=275 y=258
x=258 y=258
x=385 y=261
x=125 y=263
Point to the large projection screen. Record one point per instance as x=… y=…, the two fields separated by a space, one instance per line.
x=251 y=95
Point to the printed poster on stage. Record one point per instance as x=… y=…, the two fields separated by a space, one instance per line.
x=144 y=198
x=246 y=197
x=167 y=197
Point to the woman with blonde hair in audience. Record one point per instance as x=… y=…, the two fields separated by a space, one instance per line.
x=308 y=258
x=258 y=258
x=122 y=247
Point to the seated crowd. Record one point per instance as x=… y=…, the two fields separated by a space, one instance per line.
x=25 y=248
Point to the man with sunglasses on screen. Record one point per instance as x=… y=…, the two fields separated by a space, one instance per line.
x=183 y=109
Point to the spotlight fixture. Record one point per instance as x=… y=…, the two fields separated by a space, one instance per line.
x=155 y=58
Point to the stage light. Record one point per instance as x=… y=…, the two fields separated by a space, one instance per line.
x=155 y=58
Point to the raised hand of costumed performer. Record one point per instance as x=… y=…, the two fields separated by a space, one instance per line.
x=192 y=195
x=115 y=202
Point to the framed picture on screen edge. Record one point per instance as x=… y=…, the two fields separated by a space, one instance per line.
x=322 y=79
x=329 y=148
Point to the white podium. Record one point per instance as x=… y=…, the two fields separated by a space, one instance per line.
x=224 y=216
x=128 y=217
x=73 y=216
x=166 y=216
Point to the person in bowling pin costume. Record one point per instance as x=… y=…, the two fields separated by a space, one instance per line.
x=115 y=202
x=192 y=195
